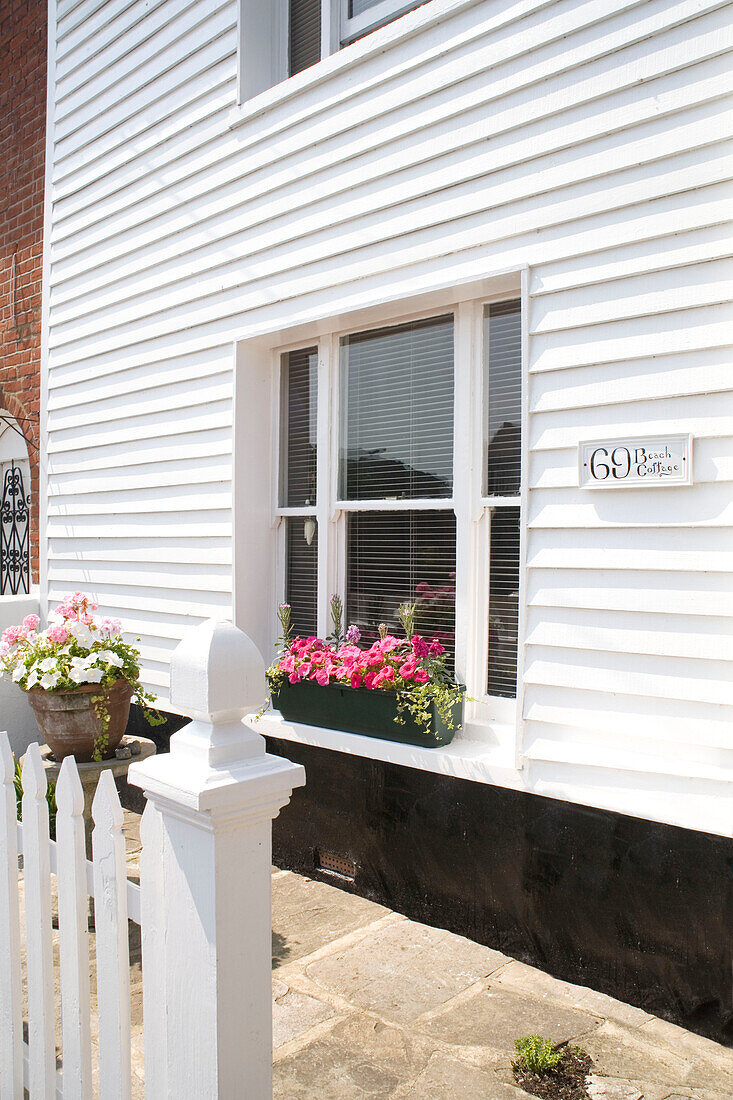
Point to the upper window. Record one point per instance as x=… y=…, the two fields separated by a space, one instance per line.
x=279 y=38
x=399 y=480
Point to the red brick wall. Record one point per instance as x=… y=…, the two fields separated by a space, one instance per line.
x=22 y=148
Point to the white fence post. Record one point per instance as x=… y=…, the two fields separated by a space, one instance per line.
x=217 y=793
x=11 y=1015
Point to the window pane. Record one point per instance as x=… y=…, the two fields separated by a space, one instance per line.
x=305 y=34
x=358 y=7
x=397 y=412
x=301 y=580
x=503 y=602
x=298 y=449
x=397 y=556
x=505 y=397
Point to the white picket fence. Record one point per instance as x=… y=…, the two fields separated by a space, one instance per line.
x=33 y=1064
x=204 y=889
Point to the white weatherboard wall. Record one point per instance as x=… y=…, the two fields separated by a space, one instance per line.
x=581 y=139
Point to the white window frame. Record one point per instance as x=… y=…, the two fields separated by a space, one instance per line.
x=353 y=27
x=263 y=37
x=492 y=724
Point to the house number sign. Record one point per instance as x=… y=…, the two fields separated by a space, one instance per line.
x=633 y=463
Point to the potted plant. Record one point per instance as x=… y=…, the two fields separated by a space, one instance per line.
x=399 y=689
x=80 y=676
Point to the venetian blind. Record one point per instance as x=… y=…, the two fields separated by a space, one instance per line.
x=505 y=398
x=503 y=602
x=504 y=452
x=397 y=412
x=299 y=373
x=301 y=585
x=393 y=557
x=304 y=34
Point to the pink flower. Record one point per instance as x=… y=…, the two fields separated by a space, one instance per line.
x=110 y=626
x=369 y=679
x=436 y=648
x=322 y=677
x=57 y=634
x=407 y=670
x=12 y=634
x=287 y=664
x=419 y=646
x=355 y=680
x=31 y=622
x=294 y=677
x=305 y=668
x=421 y=676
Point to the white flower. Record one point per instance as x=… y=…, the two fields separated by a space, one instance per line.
x=49 y=680
x=18 y=673
x=81 y=632
x=32 y=679
x=81 y=674
x=110 y=658
x=48 y=665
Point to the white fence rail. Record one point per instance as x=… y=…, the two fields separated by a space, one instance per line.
x=205 y=885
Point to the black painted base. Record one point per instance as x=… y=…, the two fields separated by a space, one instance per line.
x=639 y=910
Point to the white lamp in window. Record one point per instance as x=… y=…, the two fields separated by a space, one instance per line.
x=309 y=528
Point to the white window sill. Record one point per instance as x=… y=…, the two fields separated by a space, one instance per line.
x=373 y=44
x=466 y=757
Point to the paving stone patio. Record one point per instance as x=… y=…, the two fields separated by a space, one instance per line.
x=369 y=1005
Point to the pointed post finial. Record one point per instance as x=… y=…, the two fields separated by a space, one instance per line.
x=35 y=783
x=7 y=764
x=106 y=808
x=69 y=791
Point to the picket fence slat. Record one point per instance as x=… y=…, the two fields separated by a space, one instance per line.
x=73 y=934
x=113 y=954
x=39 y=947
x=11 y=1008
x=153 y=947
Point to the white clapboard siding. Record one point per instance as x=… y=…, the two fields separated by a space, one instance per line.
x=11 y=990
x=113 y=953
x=583 y=141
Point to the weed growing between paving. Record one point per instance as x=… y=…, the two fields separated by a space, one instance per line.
x=552 y=1072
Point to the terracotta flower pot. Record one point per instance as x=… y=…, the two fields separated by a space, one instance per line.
x=69 y=723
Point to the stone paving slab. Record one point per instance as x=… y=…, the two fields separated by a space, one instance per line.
x=495 y=1017
x=447 y=1078
x=307 y=914
x=404 y=970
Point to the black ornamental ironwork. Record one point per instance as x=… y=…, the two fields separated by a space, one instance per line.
x=14 y=534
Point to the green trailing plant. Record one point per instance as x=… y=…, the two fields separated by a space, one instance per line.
x=537 y=1055
x=50 y=796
